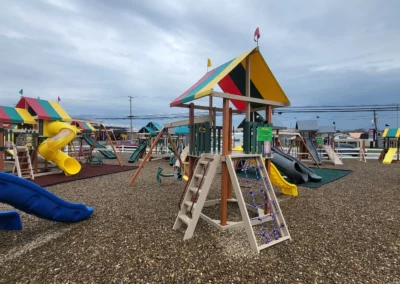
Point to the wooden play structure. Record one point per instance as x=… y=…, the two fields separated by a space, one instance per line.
x=391 y=148
x=38 y=128
x=298 y=147
x=247 y=83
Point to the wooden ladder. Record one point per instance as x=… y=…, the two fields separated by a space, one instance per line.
x=23 y=163
x=264 y=187
x=196 y=193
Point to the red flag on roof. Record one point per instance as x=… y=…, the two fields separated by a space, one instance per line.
x=256 y=34
x=58 y=99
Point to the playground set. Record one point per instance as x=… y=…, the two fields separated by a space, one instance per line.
x=248 y=83
x=391 y=146
x=45 y=134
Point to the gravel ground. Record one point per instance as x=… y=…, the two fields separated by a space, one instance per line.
x=345 y=231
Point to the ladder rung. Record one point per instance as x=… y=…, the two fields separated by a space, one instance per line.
x=184 y=218
x=204 y=162
x=26 y=176
x=24 y=163
x=199 y=175
x=194 y=189
x=22 y=157
x=189 y=204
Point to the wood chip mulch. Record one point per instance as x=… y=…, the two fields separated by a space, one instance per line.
x=345 y=231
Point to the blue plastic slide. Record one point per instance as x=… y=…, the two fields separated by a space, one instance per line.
x=10 y=220
x=33 y=199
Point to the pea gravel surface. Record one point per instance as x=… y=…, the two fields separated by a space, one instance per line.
x=343 y=232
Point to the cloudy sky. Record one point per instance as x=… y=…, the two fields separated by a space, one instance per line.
x=94 y=54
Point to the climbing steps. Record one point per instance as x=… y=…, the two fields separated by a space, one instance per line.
x=249 y=192
x=23 y=164
x=196 y=193
x=332 y=155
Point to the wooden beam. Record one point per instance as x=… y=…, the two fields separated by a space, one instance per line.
x=247 y=90
x=191 y=140
x=225 y=174
x=247 y=99
x=146 y=157
x=205 y=108
x=230 y=150
x=199 y=119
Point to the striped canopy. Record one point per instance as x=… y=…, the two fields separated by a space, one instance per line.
x=15 y=115
x=391 y=133
x=83 y=125
x=231 y=78
x=46 y=110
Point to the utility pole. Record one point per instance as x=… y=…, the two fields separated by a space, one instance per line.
x=130 y=115
x=376 y=131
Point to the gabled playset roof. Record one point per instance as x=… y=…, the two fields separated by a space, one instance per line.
x=231 y=78
x=391 y=133
x=46 y=110
x=307 y=125
x=83 y=125
x=15 y=115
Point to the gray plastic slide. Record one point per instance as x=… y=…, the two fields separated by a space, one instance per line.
x=293 y=168
x=313 y=151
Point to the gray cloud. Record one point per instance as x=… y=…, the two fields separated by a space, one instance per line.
x=93 y=54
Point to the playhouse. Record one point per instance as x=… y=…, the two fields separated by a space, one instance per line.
x=391 y=146
x=41 y=128
x=248 y=83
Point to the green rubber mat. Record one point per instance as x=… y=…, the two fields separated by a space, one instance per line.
x=328 y=175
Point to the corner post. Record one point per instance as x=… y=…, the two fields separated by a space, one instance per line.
x=268 y=114
x=225 y=180
x=191 y=139
x=246 y=134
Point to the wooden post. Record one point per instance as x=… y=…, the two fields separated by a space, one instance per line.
x=230 y=150
x=268 y=114
x=225 y=180
x=191 y=139
x=248 y=81
x=246 y=133
x=1 y=147
x=146 y=157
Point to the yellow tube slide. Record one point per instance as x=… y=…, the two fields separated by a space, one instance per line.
x=50 y=149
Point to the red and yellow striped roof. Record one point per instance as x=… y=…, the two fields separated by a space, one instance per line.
x=15 y=115
x=46 y=110
x=231 y=78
